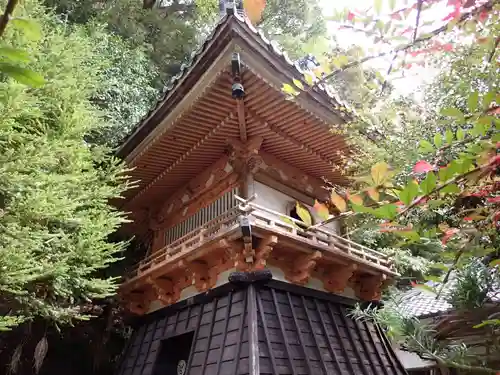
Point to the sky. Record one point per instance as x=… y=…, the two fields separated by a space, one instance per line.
x=414 y=77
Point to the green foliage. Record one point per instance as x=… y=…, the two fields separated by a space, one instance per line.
x=54 y=187
x=128 y=89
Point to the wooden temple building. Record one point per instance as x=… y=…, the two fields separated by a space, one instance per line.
x=232 y=282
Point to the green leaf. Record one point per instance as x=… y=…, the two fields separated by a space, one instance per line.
x=309 y=78
x=435 y=203
x=288 y=89
x=429 y=183
x=304 y=214
x=496 y=137
x=409 y=193
x=392 y=4
x=449 y=171
x=30 y=28
x=450 y=189
x=22 y=75
x=488 y=98
x=412 y=235
x=361 y=209
x=436 y=279
x=298 y=84
x=438 y=140
x=448 y=136
x=489 y=322
x=377 y=4
x=388 y=211
x=425 y=147
x=460 y=134
x=451 y=112
x=473 y=101
x=14 y=54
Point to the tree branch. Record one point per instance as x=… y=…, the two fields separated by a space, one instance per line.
x=4 y=19
x=487 y=6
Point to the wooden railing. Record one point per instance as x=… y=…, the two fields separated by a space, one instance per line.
x=194 y=239
x=265 y=218
x=316 y=236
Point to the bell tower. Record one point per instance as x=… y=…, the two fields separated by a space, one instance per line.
x=233 y=281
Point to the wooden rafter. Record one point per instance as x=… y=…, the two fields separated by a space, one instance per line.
x=300 y=145
x=184 y=156
x=240 y=107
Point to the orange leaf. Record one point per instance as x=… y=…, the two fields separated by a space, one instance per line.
x=321 y=210
x=373 y=194
x=338 y=201
x=356 y=199
x=254 y=9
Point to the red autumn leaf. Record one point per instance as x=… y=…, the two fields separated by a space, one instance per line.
x=408 y=66
x=448 y=234
x=447 y=47
x=469 y=3
x=422 y=166
x=468 y=219
x=350 y=16
x=483 y=16
x=407 y=30
x=396 y=16
x=493 y=200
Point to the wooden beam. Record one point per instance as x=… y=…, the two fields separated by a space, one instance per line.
x=297 y=143
x=183 y=157
x=240 y=107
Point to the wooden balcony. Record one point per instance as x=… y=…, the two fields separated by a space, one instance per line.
x=271 y=238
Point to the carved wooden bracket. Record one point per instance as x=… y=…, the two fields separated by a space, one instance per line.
x=264 y=250
x=165 y=290
x=337 y=277
x=200 y=275
x=302 y=267
x=138 y=302
x=235 y=252
x=245 y=156
x=369 y=287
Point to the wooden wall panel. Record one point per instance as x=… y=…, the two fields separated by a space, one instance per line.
x=297 y=333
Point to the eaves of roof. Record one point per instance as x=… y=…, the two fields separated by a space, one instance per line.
x=190 y=71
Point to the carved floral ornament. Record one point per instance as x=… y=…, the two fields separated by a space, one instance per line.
x=299 y=268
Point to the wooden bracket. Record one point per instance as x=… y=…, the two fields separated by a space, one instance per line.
x=164 y=289
x=302 y=267
x=369 y=287
x=138 y=302
x=337 y=277
x=235 y=252
x=245 y=156
x=264 y=250
x=200 y=276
